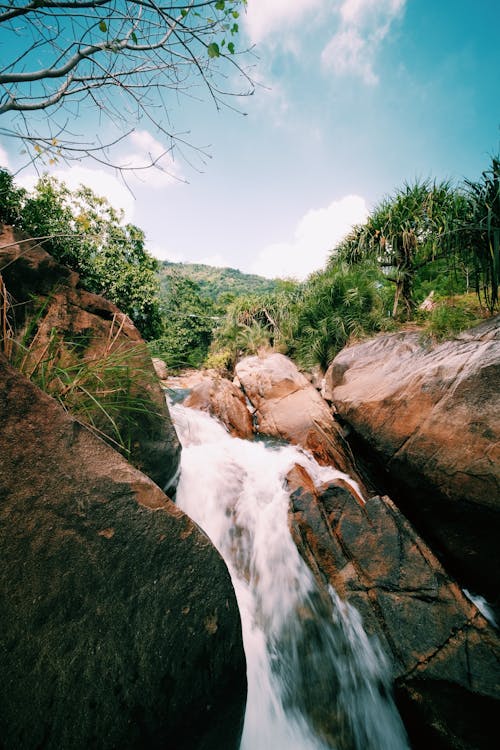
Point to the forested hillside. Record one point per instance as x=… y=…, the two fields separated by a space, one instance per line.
x=214 y=282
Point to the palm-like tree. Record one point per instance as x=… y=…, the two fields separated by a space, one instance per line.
x=481 y=232
x=406 y=232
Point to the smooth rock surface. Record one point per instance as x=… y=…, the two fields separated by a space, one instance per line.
x=288 y=406
x=52 y=315
x=429 y=413
x=208 y=391
x=119 y=627
x=444 y=654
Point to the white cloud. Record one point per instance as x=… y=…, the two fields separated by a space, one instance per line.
x=4 y=158
x=264 y=18
x=143 y=150
x=364 y=26
x=315 y=236
x=164 y=253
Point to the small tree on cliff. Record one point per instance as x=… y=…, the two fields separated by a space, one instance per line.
x=120 y=58
x=84 y=232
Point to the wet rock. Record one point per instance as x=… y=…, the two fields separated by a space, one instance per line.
x=119 y=627
x=429 y=413
x=444 y=654
x=57 y=322
x=208 y=391
x=289 y=407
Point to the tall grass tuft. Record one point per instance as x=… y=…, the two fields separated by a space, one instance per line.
x=98 y=390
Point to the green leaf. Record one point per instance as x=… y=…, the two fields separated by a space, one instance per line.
x=102 y=26
x=234 y=28
x=220 y=5
x=230 y=47
x=184 y=12
x=235 y=14
x=134 y=37
x=213 y=50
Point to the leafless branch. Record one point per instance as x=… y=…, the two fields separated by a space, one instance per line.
x=71 y=54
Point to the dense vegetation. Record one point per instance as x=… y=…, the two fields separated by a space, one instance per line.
x=427 y=240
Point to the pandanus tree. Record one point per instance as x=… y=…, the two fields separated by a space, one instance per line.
x=481 y=232
x=407 y=231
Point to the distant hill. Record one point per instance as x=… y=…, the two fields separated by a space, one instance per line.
x=214 y=281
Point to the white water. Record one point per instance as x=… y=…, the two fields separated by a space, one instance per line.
x=315 y=679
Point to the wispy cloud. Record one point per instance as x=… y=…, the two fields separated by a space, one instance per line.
x=364 y=24
x=144 y=150
x=315 y=236
x=4 y=159
x=266 y=18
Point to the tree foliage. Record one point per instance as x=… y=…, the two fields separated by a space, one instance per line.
x=481 y=232
x=85 y=233
x=407 y=231
x=337 y=304
x=123 y=59
x=188 y=323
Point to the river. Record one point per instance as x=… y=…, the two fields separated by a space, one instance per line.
x=316 y=681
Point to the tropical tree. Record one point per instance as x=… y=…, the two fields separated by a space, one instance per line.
x=188 y=323
x=337 y=304
x=254 y=321
x=406 y=232
x=121 y=58
x=481 y=232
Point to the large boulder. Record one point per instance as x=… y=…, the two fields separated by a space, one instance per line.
x=288 y=406
x=208 y=391
x=429 y=414
x=57 y=324
x=444 y=654
x=119 y=627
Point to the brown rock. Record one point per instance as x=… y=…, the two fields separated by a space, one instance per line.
x=443 y=652
x=58 y=323
x=289 y=407
x=430 y=415
x=208 y=391
x=160 y=368
x=119 y=627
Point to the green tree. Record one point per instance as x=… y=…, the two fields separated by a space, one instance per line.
x=481 y=232
x=252 y=321
x=406 y=232
x=188 y=323
x=337 y=304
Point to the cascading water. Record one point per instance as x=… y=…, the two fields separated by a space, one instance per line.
x=315 y=679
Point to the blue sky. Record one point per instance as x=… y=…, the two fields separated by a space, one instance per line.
x=355 y=97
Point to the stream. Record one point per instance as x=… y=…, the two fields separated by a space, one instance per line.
x=316 y=681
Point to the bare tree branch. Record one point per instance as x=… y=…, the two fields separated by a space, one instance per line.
x=70 y=54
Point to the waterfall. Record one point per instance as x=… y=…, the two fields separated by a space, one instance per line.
x=316 y=681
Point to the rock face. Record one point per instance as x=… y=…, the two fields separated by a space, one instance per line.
x=119 y=626
x=443 y=652
x=57 y=323
x=208 y=391
x=289 y=407
x=430 y=415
